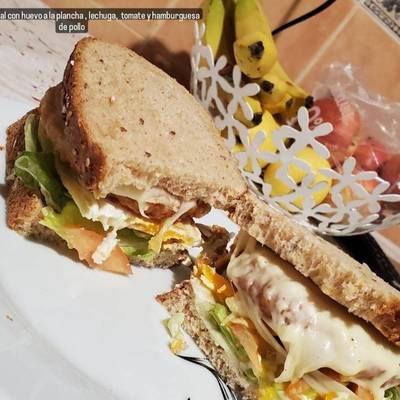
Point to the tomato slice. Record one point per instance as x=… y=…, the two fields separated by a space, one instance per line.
x=251 y=341
x=85 y=242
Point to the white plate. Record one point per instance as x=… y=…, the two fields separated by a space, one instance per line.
x=68 y=332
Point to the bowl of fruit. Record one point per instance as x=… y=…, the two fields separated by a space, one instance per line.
x=330 y=158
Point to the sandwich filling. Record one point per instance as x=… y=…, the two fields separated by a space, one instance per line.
x=287 y=338
x=105 y=232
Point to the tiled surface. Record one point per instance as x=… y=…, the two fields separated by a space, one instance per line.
x=365 y=44
x=298 y=44
x=343 y=32
x=392 y=234
x=116 y=32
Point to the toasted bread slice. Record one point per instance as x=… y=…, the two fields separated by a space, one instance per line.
x=337 y=274
x=181 y=299
x=24 y=207
x=129 y=122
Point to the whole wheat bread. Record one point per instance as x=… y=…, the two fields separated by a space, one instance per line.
x=126 y=120
x=181 y=299
x=24 y=207
x=337 y=274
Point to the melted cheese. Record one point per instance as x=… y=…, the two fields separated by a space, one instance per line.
x=315 y=331
x=156 y=241
x=113 y=216
x=148 y=195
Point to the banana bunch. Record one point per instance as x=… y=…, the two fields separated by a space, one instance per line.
x=240 y=30
x=256 y=54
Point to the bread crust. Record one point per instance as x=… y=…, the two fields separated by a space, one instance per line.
x=76 y=130
x=167 y=258
x=337 y=274
x=23 y=204
x=162 y=109
x=181 y=299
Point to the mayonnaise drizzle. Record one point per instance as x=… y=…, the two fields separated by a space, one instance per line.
x=315 y=331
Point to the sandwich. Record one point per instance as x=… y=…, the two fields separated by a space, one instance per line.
x=292 y=317
x=116 y=163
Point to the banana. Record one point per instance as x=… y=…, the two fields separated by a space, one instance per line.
x=213 y=17
x=293 y=106
x=273 y=92
x=267 y=125
x=254 y=49
x=219 y=32
x=294 y=90
x=255 y=106
x=280 y=95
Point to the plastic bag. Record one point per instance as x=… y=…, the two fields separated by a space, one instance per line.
x=365 y=125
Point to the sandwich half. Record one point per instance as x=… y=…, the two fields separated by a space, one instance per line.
x=116 y=162
x=293 y=317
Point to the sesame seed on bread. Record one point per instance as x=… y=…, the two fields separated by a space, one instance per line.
x=129 y=122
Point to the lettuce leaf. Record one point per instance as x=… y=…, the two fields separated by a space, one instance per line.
x=219 y=313
x=135 y=244
x=30 y=133
x=37 y=170
x=392 y=393
x=69 y=215
x=130 y=242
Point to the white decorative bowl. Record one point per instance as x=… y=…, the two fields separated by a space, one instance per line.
x=367 y=210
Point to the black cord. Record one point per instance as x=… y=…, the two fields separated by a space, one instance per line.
x=302 y=18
